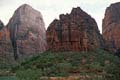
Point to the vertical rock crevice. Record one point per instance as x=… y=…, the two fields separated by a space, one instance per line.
x=27 y=32
x=79 y=32
x=111 y=27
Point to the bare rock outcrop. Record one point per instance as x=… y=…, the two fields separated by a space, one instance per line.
x=76 y=31
x=27 y=31
x=1 y=25
x=5 y=44
x=6 y=52
x=111 y=27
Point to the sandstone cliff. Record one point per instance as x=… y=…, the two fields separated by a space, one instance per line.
x=111 y=27
x=6 y=52
x=76 y=31
x=27 y=31
x=5 y=44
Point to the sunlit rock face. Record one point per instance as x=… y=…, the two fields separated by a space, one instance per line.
x=111 y=27
x=27 y=31
x=76 y=31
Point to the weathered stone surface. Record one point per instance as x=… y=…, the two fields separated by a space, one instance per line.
x=4 y=40
x=6 y=52
x=27 y=31
x=111 y=27
x=76 y=31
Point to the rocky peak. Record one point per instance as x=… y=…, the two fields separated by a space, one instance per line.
x=24 y=8
x=27 y=31
x=28 y=12
x=115 y=5
x=111 y=26
x=114 y=13
x=27 y=9
x=77 y=10
x=76 y=31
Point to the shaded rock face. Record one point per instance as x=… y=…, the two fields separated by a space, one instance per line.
x=27 y=31
x=4 y=36
x=1 y=25
x=5 y=43
x=111 y=27
x=76 y=31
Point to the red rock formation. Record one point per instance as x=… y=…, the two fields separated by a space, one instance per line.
x=27 y=31
x=111 y=26
x=4 y=40
x=6 y=51
x=76 y=31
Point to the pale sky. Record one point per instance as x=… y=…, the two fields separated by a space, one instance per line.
x=51 y=9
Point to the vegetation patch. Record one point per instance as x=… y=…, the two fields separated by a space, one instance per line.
x=96 y=65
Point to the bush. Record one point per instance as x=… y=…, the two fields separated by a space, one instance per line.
x=29 y=74
x=99 y=65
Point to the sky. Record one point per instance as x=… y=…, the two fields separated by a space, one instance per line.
x=51 y=9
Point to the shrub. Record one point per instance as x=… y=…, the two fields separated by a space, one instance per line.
x=29 y=74
x=99 y=65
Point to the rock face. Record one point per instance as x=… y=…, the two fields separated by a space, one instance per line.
x=4 y=39
x=27 y=31
x=111 y=27
x=76 y=31
x=6 y=52
x=1 y=25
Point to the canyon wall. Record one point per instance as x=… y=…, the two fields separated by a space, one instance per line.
x=27 y=31
x=111 y=27
x=76 y=31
